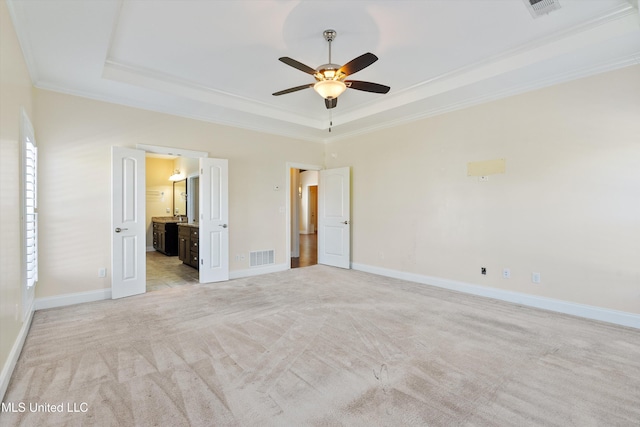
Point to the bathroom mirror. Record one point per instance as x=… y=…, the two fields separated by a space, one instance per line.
x=193 y=207
x=180 y=198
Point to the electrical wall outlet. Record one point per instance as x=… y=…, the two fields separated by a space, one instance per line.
x=102 y=272
x=535 y=277
x=483 y=270
x=506 y=273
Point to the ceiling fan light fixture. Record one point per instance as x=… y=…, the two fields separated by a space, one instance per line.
x=331 y=77
x=329 y=89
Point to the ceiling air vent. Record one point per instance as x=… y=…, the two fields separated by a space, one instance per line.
x=538 y=8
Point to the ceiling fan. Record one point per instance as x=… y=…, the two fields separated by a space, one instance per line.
x=330 y=78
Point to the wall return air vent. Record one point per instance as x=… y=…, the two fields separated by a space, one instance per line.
x=259 y=258
x=538 y=8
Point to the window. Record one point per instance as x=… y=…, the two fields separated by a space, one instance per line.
x=29 y=212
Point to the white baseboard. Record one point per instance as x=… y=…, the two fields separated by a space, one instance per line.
x=587 y=311
x=150 y=249
x=14 y=354
x=257 y=271
x=71 y=299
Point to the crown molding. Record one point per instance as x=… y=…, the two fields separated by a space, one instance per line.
x=337 y=135
x=249 y=114
x=617 y=63
x=278 y=129
x=155 y=80
x=620 y=21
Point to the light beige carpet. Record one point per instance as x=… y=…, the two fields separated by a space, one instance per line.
x=323 y=347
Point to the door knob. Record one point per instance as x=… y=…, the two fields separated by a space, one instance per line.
x=118 y=229
x=223 y=225
x=346 y=222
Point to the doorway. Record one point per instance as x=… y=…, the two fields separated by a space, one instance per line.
x=313 y=208
x=129 y=223
x=302 y=209
x=307 y=220
x=170 y=194
x=333 y=214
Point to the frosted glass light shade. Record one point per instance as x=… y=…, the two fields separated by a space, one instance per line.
x=177 y=176
x=330 y=89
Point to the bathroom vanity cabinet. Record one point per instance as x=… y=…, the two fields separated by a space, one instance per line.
x=188 y=244
x=165 y=237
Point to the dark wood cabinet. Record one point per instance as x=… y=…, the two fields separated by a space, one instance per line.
x=194 y=247
x=165 y=237
x=188 y=244
x=183 y=244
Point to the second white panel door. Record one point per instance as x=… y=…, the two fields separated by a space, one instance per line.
x=334 y=217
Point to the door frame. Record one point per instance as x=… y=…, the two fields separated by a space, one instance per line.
x=287 y=209
x=313 y=213
x=191 y=190
x=171 y=151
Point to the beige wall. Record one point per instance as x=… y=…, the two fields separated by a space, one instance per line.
x=75 y=136
x=15 y=93
x=568 y=205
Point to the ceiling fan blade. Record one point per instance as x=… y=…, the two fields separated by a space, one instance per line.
x=359 y=63
x=367 y=86
x=293 y=89
x=299 y=65
x=331 y=103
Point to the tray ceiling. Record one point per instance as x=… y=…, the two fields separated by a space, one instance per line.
x=218 y=60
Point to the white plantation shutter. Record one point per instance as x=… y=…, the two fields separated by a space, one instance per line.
x=30 y=212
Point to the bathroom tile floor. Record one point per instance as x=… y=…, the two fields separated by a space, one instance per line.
x=165 y=272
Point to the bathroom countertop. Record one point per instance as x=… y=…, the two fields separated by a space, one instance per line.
x=166 y=219
x=189 y=224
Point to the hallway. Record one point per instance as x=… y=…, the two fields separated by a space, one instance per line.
x=308 y=251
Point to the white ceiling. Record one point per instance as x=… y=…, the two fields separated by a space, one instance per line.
x=217 y=60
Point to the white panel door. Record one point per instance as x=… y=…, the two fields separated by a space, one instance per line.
x=334 y=218
x=214 y=220
x=128 y=245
